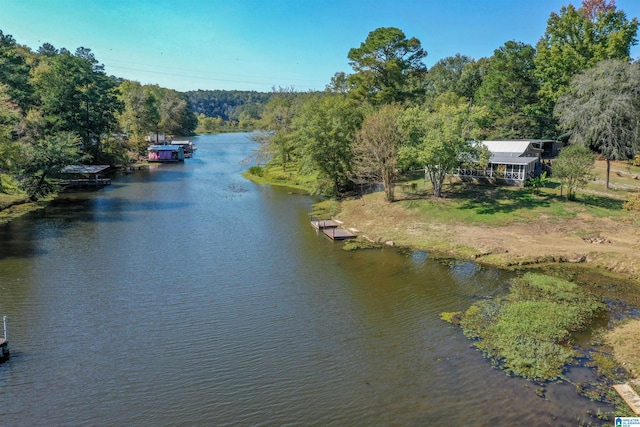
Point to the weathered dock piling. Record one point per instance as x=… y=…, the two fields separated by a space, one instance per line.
x=4 y=342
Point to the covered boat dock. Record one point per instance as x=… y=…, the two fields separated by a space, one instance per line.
x=85 y=176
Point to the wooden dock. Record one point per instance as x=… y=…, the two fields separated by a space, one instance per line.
x=630 y=396
x=338 y=234
x=332 y=228
x=322 y=224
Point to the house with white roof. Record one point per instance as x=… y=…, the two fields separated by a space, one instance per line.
x=512 y=162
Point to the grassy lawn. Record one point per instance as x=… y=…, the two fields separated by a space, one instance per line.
x=495 y=205
x=277 y=175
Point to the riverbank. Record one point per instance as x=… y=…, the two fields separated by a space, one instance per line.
x=12 y=207
x=582 y=238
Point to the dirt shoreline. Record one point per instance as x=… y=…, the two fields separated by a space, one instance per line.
x=587 y=242
x=597 y=242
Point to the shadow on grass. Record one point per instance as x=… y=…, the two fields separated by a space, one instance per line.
x=488 y=200
x=601 y=202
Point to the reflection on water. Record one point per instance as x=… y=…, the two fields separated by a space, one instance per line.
x=186 y=295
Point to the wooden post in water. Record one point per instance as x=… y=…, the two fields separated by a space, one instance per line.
x=4 y=343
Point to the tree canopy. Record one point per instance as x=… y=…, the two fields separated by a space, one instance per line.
x=508 y=90
x=601 y=109
x=387 y=67
x=578 y=38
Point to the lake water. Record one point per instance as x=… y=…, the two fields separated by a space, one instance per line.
x=185 y=295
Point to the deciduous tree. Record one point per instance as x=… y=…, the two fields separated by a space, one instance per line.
x=441 y=140
x=601 y=110
x=14 y=72
x=46 y=158
x=576 y=39
x=77 y=96
x=276 y=138
x=140 y=115
x=448 y=75
x=376 y=148
x=324 y=130
x=573 y=168
x=10 y=116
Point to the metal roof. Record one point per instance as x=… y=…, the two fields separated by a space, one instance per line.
x=84 y=168
x=507 y=146
x=511 y=160
x=164 y=148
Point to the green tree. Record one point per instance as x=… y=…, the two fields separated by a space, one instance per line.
x=325 y=128
x=10 y=116
x=208 y=124
x=601 y=109
x=576 y=39
x=440 y=140
x=376 y=148
x=448 y=75
x=76 y=95
x=140 y=114
x=387 y=67
x=175 y=116
x=573 y=168
x=46 y=158
x=14 y=72
x=508 y=90
x=276 y=138
x=339 y=83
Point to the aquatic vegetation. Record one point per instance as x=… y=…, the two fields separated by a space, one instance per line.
x=528 y=332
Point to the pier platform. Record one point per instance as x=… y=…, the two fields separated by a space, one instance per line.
x=338 y=234
x=322 y=224
x=630 y=396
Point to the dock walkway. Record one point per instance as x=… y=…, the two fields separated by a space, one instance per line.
x=338 y=234
x=324 y=223
x=332 y=229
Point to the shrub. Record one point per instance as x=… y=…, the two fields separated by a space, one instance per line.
x=256 y=170
x=633 y=204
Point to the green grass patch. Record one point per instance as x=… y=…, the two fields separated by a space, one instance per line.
x=478 y=204
x=326 y=209
x=275 y=174
x=528 y=333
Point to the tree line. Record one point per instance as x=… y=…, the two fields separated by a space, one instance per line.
x=389 y=114
x=227 y=109
x=392 y=114
x=59 y=108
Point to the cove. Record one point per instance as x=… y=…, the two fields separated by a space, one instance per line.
x=187 y=295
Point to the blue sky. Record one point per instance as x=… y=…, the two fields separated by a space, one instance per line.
x=260 y=44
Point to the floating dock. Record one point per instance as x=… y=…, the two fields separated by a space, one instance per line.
x=630 y=396
x=322 y=224
x=332 y=228
x=338 y=234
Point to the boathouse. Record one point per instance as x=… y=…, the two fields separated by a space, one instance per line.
x=85 y=176
x=187 y=146
x=166 y=153
x=512 y=162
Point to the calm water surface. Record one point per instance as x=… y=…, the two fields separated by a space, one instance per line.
x=186 y=295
